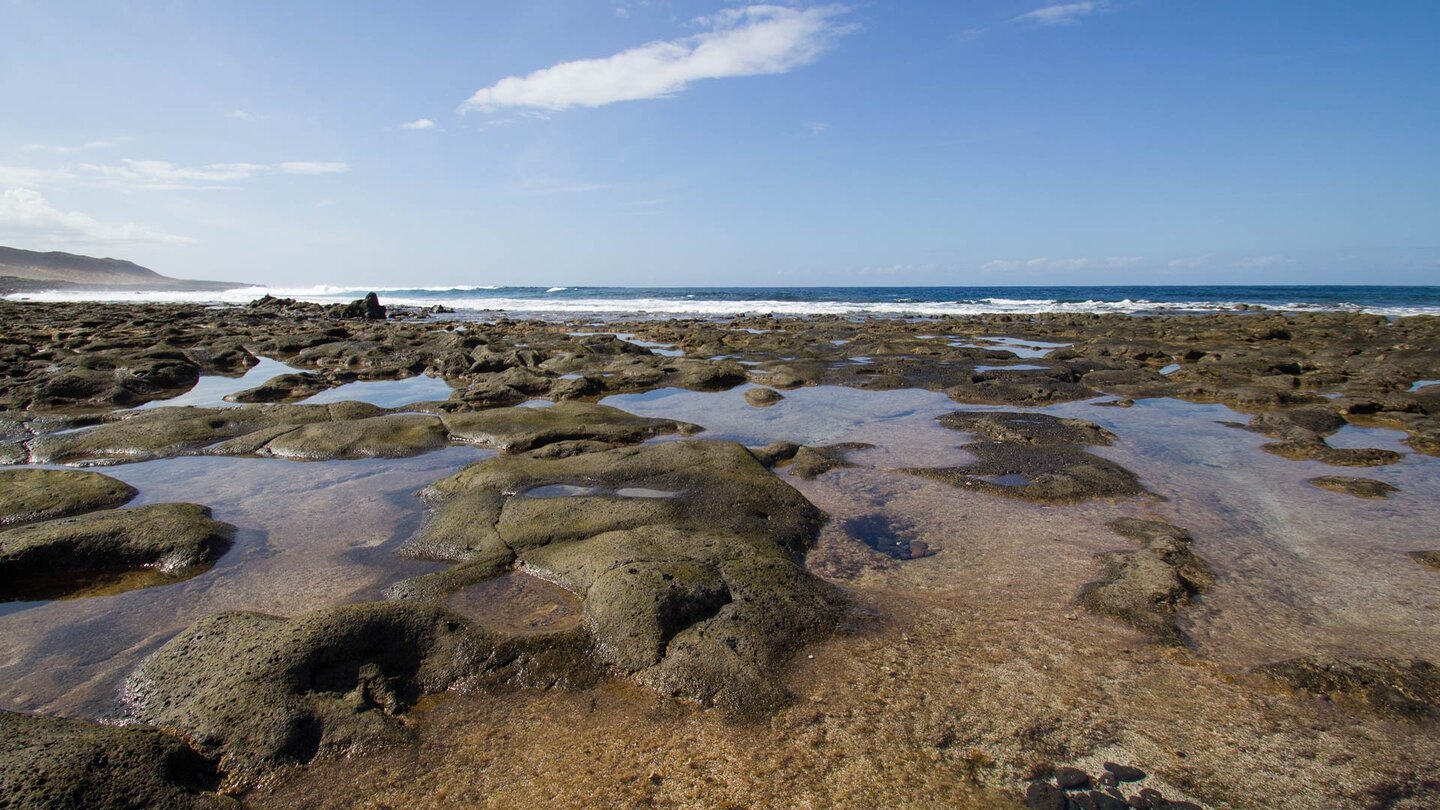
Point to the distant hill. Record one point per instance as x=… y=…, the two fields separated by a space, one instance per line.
x=32 y=270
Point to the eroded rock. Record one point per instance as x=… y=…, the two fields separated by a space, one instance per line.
x=1359 y=487
x=255 y=692
x=685 y=555
x=56 y=557
x=1146 y=588
x=61 y=764
x=1036 y=457
x=520 y=429
x=1408 y=689
x=763 y=397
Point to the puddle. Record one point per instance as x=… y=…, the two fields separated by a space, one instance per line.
x=309 y=535
x=211 y=389
x=576 y=491
x=1019 y=346
x=862 y=361
x=887 y=536
x=386 y=393
x=517 y=603
x=1357 y=437
x=537 y=403
x=1170 y=369
x=662 y=349
x=1017 y=367
x=1418 y=384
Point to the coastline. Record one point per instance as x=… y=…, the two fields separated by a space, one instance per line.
x=970 y=668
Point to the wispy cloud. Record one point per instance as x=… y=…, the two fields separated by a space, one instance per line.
x=26 y=216
x=1061 y=13
x=817 y=127
x=161 y=175
x=423 y=123
x=241 y=115
x=749 y=41
x=63 y=149
x=1076 y=263
x=313 y=167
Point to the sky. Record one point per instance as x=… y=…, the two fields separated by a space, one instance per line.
x=655 y=143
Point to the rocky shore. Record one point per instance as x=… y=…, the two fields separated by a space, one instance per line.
x=718 y=602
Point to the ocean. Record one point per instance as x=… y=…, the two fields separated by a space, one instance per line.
x=682 y=302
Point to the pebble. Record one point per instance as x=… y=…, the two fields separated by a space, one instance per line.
x=1044 y=796
x=1071 y=778
x=1125 y=773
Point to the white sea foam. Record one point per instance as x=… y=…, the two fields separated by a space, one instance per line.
x=683 y=306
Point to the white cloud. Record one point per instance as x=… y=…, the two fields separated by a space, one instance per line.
x=313 y=167
x=750 y=41
x=241 y=115
x=1190 y=262
x=25 y=215
x=161 y=175
x=60 y=149
x=30 y=178
x=423 y=123
x=1061 y=13
x=817 y=127
x=1077 y=263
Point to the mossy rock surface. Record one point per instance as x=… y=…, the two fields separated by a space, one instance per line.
x=390 y=436
x=165 y=432
x=1034 y=457
x=30 y=495
x=256 y=692
x=59 y=764
x=1147 y=587
x=58 y=557
x=521 y=429
x=1402 y=688
x=686 y=556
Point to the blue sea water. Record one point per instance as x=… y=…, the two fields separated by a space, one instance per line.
x=663 y=302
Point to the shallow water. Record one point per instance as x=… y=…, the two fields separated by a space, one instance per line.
x=1016 y=367
x=211 y=389
x=310 y=535
x=1299 y=569
x=386 y=393
x=1021 y=347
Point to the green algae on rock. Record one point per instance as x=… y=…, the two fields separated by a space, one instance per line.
x=1407 y=689
x=1429 y=559
x=256 y=692
x=57 y=557
x=698 y=594
x=30 y=495
x=813 y=461
x=1147 y=587
x=61 y=764
x=1359 y=487
x=1036 y=458
x=520 y=429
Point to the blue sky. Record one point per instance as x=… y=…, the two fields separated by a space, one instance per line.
x=704 y=143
